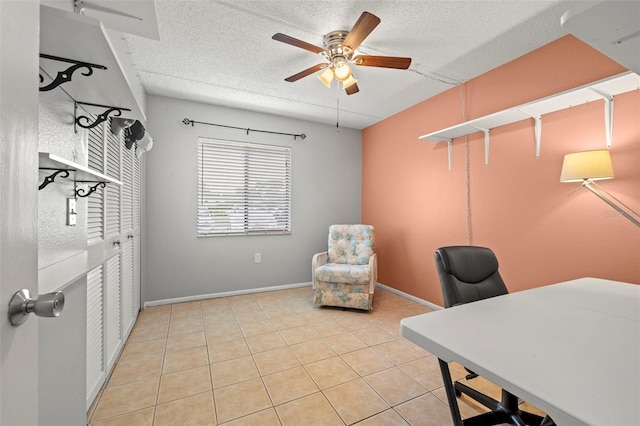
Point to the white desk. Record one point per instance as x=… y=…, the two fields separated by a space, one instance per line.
x=572 y=349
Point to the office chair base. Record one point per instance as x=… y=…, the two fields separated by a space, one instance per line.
x=504 y=411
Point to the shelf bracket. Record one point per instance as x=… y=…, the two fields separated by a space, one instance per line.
x=608 y=114
x=486 y=143
x=85 y=193
x=537 y=133
x=52 y=177
x=99 y=119
x=66 y=75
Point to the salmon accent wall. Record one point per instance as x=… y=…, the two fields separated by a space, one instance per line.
x=518 y=207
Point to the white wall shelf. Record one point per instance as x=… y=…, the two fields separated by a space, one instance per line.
x=604 y=89
x=63 y=167
x=76 y=38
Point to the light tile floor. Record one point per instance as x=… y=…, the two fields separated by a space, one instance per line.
x=274 y=359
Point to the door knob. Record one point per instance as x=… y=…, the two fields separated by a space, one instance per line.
x=45 y=305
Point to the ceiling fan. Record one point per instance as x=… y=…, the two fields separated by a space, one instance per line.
x=339 y=48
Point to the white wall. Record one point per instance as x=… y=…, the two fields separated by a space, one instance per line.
x=62 y=340
x=326 y=189
x=56 y=240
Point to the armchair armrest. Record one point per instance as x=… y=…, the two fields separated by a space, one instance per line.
x=319 y=259
x=373 y=272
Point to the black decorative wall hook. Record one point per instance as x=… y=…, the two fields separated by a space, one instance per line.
x=49 y=179
x=66 y=75
x=85 y=193
x=87 y=124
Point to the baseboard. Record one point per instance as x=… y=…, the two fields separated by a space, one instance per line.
x=410 y=297
x=223 y=294
x=275 y=288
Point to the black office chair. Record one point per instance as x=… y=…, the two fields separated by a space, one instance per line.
x=468 y=274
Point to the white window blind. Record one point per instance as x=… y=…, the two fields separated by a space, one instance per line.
x=243 y=188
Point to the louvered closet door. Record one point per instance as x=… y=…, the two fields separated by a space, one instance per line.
x=128 y=313
x=127 y=191
x=113 y=215
x=113 y=159
x=113 y=308
x=137 y=220
x=113 y=305
x=95 y=202
x=95 y=335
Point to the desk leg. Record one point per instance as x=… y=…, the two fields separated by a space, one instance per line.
x=451 y=393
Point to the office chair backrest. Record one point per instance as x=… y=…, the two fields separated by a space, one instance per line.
x=468 y=274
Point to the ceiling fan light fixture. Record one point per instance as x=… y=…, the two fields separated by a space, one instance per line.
x=350 y=81
x=326 y=77
x=338 y=48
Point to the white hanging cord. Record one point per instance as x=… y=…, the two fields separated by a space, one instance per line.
x=467 y=176
x=337 y=107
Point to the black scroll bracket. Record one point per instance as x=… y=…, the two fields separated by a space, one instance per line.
x=84 y=122
x=66 y=75
x=85 y=193
x=52 y=177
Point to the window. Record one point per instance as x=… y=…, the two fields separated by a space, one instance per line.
x=243 y=188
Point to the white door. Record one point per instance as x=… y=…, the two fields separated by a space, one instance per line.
x=19 y=45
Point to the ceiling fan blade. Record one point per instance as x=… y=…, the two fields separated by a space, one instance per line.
x=305 y=73
x=352 y=89
x=297 y=43
x=361 y=29
x=383 y=61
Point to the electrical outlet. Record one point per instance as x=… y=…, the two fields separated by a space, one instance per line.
x=258 y=257
x=72 y=212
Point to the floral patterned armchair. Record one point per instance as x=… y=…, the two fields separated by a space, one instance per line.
x=347 y=273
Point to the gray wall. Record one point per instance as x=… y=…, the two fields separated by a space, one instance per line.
x=326 y=189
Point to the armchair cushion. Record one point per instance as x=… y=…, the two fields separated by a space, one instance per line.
x=345 y=274
x=351 y=244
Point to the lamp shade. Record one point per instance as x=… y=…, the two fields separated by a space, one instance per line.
x=350 y=81
x=587 y=165
x=341 y=70
x=326 y=77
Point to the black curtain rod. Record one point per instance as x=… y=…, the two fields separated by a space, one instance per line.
x=295 y=136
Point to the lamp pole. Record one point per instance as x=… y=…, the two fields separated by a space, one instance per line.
x=589 y=185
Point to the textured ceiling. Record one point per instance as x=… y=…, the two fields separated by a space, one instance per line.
x=221 y=52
